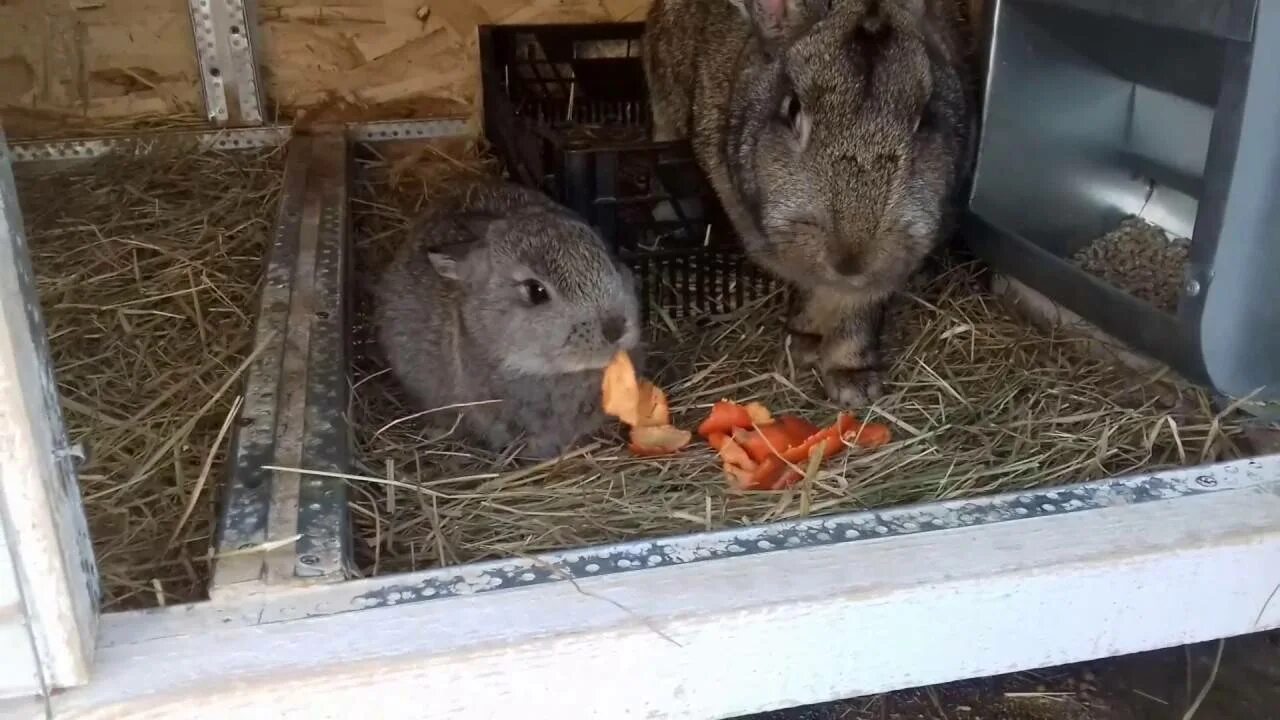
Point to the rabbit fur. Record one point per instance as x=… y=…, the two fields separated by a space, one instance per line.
x=835 y=134
x=504 y=298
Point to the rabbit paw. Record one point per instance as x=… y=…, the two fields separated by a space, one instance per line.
x=852 y=388
x=803 y=348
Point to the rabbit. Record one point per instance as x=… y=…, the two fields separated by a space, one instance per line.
x=836 y=134
x=504 y=298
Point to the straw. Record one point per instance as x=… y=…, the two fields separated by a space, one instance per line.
x=979 y=402
x=148 y=270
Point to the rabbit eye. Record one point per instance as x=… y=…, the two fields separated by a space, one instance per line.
x=791 y=109
x=535 y=292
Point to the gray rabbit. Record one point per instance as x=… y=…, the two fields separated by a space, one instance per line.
x=504 y=298
x=835 y=133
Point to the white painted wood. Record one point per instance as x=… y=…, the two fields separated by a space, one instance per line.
x=40 y=509
x=19 y=670
x=721 y=637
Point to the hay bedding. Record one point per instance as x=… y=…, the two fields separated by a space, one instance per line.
x=148 y=270
x=979 y=402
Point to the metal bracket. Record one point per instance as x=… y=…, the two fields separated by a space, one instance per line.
x=284 y=518
x=225 y=35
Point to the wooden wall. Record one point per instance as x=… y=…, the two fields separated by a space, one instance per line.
x=90 y=65
x=95 y=63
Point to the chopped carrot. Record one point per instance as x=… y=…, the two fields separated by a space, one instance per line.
x=788 y=478
x=649 y=441
x=652 y=408
x=759 y=414
x=764 y=441
x=869 y=435
x=734 y=454
x=798 y=429
x=620 y=390
x=725 y=416
x=767 y=474
x=717 y=440
x=740 y=478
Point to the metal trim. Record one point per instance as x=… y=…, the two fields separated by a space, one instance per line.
x=596 y=561
x=388 y=130
x=38 y=149
x=281 y=526
x=223 y=31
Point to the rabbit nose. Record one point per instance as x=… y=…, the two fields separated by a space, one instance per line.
x=613 y=328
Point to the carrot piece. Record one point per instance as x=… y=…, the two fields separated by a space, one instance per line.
x=619 y=389
x=767 y=474
x=788 y=478
x=764 y=441
x=740 y=478
x=759 y=414
x=798 y=429
x=652 y=408
x=725 y=416
x=868 y=435
x=733 y=454
x=658 y=440
x=717 y=440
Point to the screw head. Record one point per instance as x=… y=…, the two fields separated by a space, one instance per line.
x=1207 y=481
x=308 y=559
x=1191 y=287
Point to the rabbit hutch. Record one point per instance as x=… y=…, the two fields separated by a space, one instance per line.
x=216 y=501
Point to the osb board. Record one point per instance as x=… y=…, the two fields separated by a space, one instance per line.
x=69 y=66
x=366 y=59
x=72 y=64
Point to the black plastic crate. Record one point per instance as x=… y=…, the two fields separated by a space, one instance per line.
x=565 y=107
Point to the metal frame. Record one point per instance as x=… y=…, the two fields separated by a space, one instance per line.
x=277 y=526
x=225 y=33
x=42 y=519
x=721 y=624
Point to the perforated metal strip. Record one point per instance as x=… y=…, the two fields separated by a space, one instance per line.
x=224 y=37
x=228 y=139
x=88 y=148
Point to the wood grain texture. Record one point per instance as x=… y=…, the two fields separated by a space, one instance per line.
x=718 y=638
x=84 y=63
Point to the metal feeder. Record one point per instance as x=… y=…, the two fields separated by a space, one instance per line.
x=1096 y=110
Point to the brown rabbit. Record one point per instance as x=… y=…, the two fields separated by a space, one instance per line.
x=835 y=133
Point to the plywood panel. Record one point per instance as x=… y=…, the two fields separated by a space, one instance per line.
x=70 y=63
x=396 y=58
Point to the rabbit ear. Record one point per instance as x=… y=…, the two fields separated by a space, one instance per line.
x=464 y=258
x=452 y=261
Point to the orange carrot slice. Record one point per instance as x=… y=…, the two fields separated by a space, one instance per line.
x=798 y=429
x=652 y=408
x=764 y=441
x=651 y=441
x=733 y=454
x=620 y=391
x=870 y=435
x=724 y=418
x=759 y=414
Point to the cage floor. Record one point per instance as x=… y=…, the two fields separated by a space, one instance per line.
x=148 y=271
x=979 y=403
